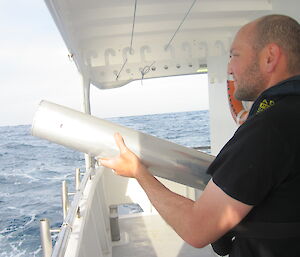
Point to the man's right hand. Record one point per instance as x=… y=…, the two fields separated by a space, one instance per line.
x=126 y=164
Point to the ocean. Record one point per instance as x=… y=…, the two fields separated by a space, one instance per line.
x=31 y=172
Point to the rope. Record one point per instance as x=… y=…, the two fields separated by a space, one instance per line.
x=145 y=70
x=133 y=23
x=166 y=48
x=121 y=69
x=131 y=40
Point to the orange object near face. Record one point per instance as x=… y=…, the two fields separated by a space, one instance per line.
x=238 y=112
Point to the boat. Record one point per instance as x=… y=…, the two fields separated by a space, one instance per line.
x=112 y=43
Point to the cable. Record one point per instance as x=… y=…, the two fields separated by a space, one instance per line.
x=131 y=40
x=133 y=23
x=166 y=48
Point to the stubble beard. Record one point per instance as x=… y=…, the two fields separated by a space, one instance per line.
x=250 y=84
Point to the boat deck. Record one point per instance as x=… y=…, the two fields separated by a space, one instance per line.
x=151 y=236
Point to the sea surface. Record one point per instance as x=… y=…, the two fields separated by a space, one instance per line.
x=32 y=170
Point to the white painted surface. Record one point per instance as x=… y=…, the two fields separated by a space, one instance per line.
x=150 y=236
x=222 y=126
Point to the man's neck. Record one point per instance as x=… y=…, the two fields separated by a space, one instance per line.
x=275 y=79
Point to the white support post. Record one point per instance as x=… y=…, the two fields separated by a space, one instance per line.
x=86 y=108
x=86 y=105
x=46 y=240
x=217 y=81
x=77 y=179
x=65 y=198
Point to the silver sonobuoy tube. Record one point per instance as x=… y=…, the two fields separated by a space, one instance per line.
x=95 y=136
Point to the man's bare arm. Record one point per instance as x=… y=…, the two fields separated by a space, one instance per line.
x=197 y=222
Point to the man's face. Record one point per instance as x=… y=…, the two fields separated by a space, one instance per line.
x=244 y=65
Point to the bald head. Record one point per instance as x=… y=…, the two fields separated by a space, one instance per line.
x=263 y=53
x=283 y=31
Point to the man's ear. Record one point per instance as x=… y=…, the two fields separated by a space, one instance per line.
x=271 y=56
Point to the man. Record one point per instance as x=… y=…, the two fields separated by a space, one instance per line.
x=256 y=177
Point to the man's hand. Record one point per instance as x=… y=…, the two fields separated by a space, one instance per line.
x=127 y=164
x=198 y=223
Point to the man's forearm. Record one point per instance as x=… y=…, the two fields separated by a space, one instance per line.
x=198 y=223
x=175 y=209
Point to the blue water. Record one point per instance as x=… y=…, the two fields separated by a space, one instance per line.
x=31 y=171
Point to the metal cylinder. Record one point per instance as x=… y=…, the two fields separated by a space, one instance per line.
x=65 y=198
x=114 y=223
x=95 y=137
x=77 y=179
x=45 y=235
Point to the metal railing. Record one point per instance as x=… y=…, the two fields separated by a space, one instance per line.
x=69 y=213
x=206 y=147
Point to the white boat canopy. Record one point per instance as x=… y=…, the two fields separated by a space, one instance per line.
x=114 y=42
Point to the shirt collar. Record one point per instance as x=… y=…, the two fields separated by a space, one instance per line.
x=269 y=97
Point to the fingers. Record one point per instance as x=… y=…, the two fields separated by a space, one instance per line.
x=120 y=143
x=106 y=162
x=111 y=162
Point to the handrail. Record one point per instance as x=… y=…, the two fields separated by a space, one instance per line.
x=205 y=147
x=66 y=228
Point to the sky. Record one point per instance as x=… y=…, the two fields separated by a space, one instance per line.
x=34 y=65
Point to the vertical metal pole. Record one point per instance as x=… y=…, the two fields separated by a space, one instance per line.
x=114 y=223
x=45 y=237
x=77 y=179
x=86 y=105
x=65 y=198
x=86 y=108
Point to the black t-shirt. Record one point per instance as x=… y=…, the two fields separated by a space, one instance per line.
x=260 y=166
